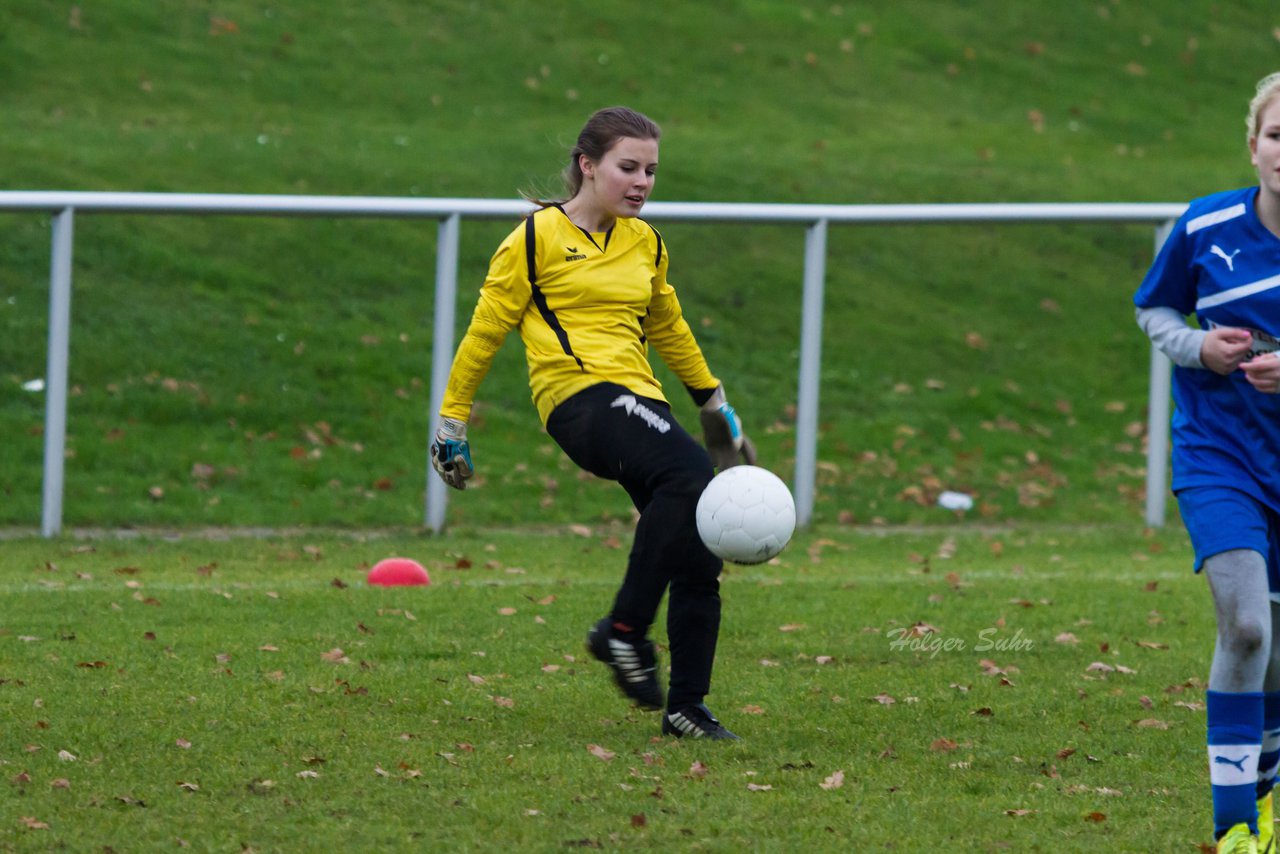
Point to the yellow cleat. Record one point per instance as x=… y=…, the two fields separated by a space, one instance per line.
x=1238 y=840
x=1266 y=825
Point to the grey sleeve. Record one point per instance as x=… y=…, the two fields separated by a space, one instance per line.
x=1168 y=330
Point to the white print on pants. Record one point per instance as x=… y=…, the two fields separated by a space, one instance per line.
x=635 y=407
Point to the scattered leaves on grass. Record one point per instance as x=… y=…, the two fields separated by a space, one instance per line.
x=835 y=781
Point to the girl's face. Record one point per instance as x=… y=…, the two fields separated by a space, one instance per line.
x=622 y=180
x=1265 y=147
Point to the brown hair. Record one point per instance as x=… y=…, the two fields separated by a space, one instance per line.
x=601 y=132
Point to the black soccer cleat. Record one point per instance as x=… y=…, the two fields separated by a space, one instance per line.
x=634 y=665
x=695 y=722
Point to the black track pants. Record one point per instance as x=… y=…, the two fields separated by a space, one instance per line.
x=618 y=435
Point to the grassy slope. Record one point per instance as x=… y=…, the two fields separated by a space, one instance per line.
x=274 y=371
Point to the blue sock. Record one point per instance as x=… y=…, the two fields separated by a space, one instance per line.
x=1269 y=761
x=1235 y=743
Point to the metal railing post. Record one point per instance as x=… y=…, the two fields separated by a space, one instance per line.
x=815 y=271
x=441 y=356
x=1159 y=390
x=55 y=412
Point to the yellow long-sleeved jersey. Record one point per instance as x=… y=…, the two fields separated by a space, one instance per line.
x=587 y=305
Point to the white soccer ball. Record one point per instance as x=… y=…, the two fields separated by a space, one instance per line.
x=746 y=515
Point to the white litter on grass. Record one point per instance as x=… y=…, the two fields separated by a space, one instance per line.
x=33 y=385
x=955 y=501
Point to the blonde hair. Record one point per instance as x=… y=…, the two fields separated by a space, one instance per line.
x=1268 y=90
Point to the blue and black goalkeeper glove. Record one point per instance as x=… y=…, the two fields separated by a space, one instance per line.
x=722 y=433
x=451 y=454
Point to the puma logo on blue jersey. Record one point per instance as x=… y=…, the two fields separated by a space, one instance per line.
x=1230 y=259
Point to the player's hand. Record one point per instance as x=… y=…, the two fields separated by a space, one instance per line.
x=722 y=433
x=1224 y=349
x=1263 y=372
x=451 y=454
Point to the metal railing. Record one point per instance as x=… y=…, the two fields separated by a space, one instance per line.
x=816 y=219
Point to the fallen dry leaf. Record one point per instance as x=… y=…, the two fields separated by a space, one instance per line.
x=835 y=781
x=601 y=753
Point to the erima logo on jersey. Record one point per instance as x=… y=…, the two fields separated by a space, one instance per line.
x=574 y=254
x=647 y=415
x=1230 y=259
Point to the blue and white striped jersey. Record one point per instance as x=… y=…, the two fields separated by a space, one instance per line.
x=1223 y=265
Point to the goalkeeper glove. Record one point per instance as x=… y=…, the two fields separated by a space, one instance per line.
x=451 y=454
x=722 y=433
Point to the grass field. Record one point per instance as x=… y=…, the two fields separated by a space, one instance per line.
x=958 y=689
x=178 y=673
x=239 y=371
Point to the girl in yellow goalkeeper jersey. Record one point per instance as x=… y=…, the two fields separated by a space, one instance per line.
x=584 y=280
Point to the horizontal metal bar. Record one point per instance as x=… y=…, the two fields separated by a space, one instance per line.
x=392 y=206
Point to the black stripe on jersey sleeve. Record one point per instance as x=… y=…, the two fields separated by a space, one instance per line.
x=539 y=298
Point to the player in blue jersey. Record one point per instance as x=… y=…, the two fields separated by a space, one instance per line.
x=1222 y=264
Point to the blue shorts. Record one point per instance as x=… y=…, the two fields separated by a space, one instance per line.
x=1221 y=519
